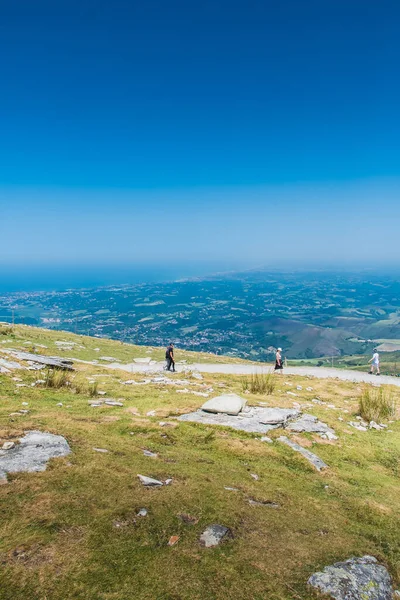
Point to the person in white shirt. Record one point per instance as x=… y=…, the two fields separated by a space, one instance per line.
x=375 y=363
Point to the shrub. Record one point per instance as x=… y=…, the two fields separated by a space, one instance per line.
x=5 y=329
x=259 y=383
x=376 y=404
x=56 y=378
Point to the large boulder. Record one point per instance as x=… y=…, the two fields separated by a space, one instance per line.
x=228 y=404
x=354 y=579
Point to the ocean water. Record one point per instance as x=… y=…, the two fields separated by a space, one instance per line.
x=62 y=277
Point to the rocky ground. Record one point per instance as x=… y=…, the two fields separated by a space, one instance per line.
x=130 y=484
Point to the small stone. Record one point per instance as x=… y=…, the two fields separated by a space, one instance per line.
x=174 y=539
x=267 y=503
x=25 y=404
x=254 y=476
x=231 y=489
x=142 y=512
x=151 y=413
x=113 y=403
x=149 y=481
x=8 y=445
x=267 y=439
x=214 y=534
x=150 y=454
x=100 y=450
x=59 y=404
x=167 y=481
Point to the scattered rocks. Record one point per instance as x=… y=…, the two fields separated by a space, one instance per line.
x=358 y=426
x=312 y=458
x=228 y=404
x=32 y=453
x=214 y=535
x=354 y=579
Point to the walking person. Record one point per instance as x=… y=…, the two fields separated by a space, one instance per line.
x=374 y=363
x=169 y=355
x=278 y=361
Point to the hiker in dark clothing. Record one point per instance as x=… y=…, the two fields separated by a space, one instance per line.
x=169 y=355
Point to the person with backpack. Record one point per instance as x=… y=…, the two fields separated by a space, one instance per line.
x=169 y=356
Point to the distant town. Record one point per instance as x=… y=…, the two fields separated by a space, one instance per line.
x=247 y=315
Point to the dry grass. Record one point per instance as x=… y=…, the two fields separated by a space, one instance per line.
x=259 y=383
x=377 y=404
x=57 y=378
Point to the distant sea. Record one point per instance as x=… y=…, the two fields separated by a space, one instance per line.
x=58 y=278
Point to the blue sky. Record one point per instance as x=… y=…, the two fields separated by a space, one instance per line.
x=227 y=132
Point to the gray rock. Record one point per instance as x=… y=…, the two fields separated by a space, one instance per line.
x=142 y=512
x=251 y=425
x=354 y=579
x=312 y=458
x=213 y=535
x=113 y=403
x=149 y=481
x=278 y=416
x=267 y=503
x=309 y=424
x=150 y=454
x=229 y=404
x=102 y=450
x=32 y=453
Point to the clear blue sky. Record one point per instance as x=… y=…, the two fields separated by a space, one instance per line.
x=237 y=132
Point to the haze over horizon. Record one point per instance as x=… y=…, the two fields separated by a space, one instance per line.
x=224 y=135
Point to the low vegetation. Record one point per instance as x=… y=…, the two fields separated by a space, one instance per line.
x=377 y=404
x=57 y=378
x=73 y=532
x=259 y=383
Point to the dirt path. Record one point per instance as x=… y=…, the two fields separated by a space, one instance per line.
x=238 y=369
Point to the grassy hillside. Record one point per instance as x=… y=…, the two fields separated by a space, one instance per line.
x=72 y=532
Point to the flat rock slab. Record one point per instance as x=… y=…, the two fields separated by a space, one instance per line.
x=309 y=424
x=354 y=579
x=278 y=416
x=249 y=423
x=214 y=534
x=312 y=458
x=32 y=453
x=229 y=404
